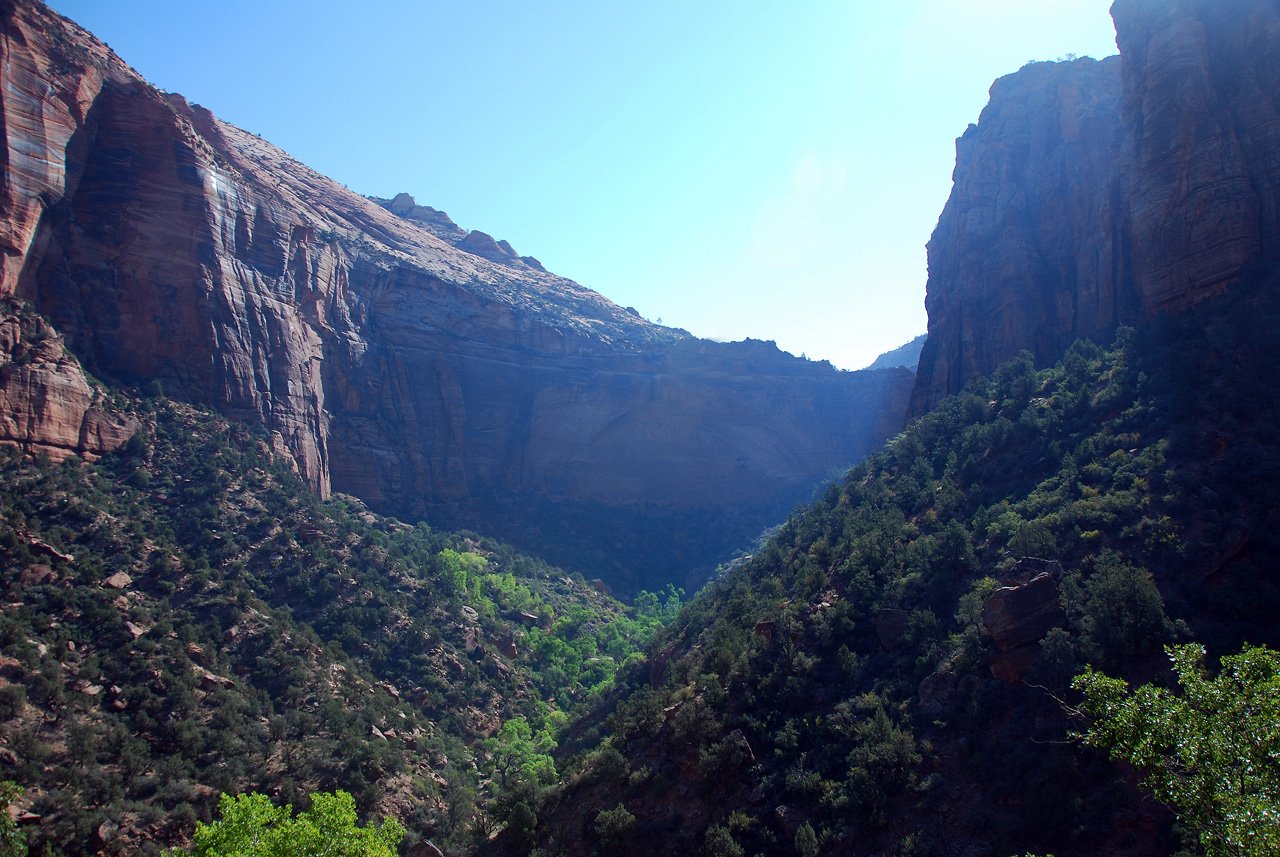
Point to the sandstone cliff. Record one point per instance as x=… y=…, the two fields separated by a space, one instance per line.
x=1015 y=262
x=1091 y=194
x=421 y=367
x=46 y=403
x=1197 y=178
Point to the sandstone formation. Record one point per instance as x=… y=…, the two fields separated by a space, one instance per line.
x=46 y=403
x=1021 y=615
x=1091 y=194
x=1018 y=618
x=1015 y=262
x=423 y=368
x=1197 y=177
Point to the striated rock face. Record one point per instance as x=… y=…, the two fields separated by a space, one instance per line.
x=401 y=359
x=46 y=404
x=1091 y=194
x=1197 y=184
x=1016 y=260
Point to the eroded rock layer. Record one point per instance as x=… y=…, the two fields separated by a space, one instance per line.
x=1092 y=194
x=402 y=359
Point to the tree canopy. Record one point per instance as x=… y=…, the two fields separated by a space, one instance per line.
x=1211 y=752
x=251 y=826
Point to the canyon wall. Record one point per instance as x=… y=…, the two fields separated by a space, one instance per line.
x=1016 y=260
x=1092 y=194
x=423 y=368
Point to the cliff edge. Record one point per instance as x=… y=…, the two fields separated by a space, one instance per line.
x=1096 y=193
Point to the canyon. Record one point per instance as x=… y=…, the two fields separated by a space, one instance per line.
x=426 y=369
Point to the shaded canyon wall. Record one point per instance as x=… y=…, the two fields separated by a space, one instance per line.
x=1092 y=194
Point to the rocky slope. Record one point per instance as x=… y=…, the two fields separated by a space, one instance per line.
x=400 y=358
x=185 y=618
x=1094 y=193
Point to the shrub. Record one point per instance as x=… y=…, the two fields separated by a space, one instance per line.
x=251 y=826
x=1212 y=754
x=611 y=824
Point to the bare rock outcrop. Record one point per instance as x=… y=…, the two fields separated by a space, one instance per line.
x=1021 y=615
x=1018 y=618
x=46 y=403
x=1015 y=262
x=398 y=358
x=1092 y=194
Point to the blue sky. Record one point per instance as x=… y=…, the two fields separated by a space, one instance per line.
x=736 y=169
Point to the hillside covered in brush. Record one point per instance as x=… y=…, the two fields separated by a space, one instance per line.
x=887 y=675
x=185 y=618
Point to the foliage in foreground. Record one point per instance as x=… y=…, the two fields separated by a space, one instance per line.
x=251 y=826
x=1210 y=753
x=13 y=842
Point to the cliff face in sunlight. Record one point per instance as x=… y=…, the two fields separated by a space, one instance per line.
x=400 y=358
x=1091 y=194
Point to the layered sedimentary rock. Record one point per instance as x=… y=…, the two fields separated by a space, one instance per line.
x=401 y=358
x=46 y=403
x=1016 y=260
x=1197 y=180
x=1091 y=194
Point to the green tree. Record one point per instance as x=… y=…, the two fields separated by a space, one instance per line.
x=251 y=826
x=1210 y=753
x=612 y=824
x=13 y=842
x=806 y=841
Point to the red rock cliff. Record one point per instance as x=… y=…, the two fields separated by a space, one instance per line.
x=1016 y=260
x=402 y=359
x=1095 y=193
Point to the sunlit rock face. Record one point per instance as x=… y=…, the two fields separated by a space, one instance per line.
x=1091 y=194
x=47 y=406
x=423 y=368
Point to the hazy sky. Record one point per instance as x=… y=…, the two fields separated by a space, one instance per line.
x=737 y=169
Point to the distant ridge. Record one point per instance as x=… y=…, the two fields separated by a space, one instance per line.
x=905 y=356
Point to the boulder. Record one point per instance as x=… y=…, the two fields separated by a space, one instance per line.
x=36 y=575
x=936 y=691
x=1021 y=615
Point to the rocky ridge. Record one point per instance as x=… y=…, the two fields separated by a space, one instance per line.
x=400 y=359
x=1092 y=194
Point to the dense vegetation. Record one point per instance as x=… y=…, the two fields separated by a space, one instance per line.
x=1210 y=751
x=842 y=692
x=185 y=619
x=252 y=826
